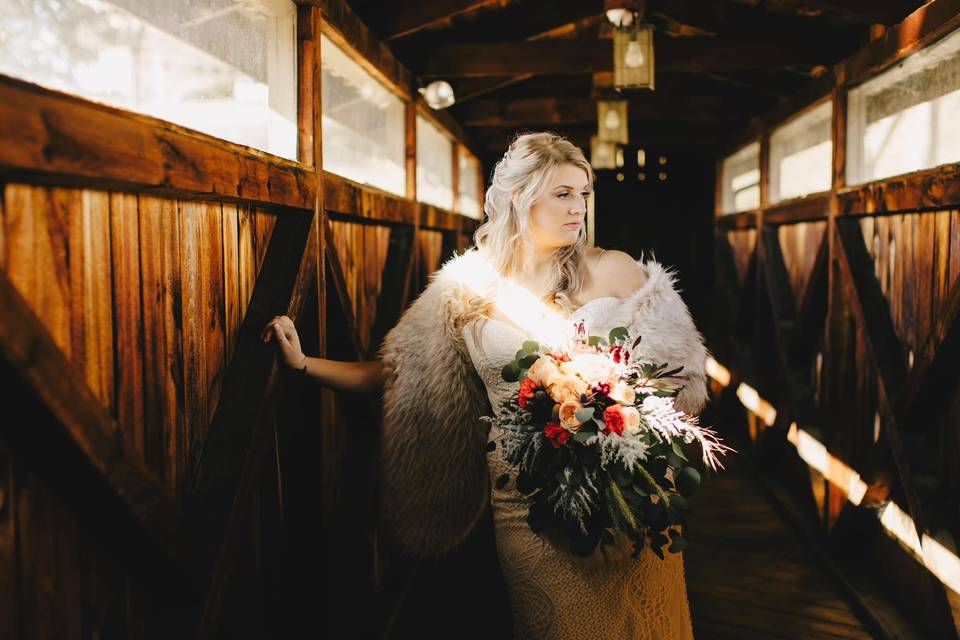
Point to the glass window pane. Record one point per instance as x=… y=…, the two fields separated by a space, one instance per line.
x=740 y=189
x=363 y=124
x=801 y=154
x=224 y=68
x=469 y=187
x=904 y=119
x=434 y=165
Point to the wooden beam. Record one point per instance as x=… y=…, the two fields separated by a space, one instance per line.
x=55 y=138
x=32 y=353
x=410 y=16
x=888 y=12
x=586 y=57
x=645 y=108
x=686 y=135
x=470 y=88
x=753 y=23
x=937 y=188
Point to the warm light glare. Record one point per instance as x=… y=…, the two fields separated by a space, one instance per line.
x=718 y=372
x=752 y=401
x=939 y=560
x=833 y=469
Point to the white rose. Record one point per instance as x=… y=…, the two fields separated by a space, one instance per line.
x=623 y=393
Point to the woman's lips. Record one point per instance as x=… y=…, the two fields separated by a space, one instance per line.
x=572 y=224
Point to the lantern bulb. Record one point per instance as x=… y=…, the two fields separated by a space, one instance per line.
x=612 y=120
x=634 y=56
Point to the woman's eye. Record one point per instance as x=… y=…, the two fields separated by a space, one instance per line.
x=562 y=195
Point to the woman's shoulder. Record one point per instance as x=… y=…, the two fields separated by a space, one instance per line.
x=622 y=273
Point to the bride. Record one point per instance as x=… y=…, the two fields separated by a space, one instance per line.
x=530 y=275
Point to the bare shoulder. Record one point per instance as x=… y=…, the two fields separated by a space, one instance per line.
x=623 y=273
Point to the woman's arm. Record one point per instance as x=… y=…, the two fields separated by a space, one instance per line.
x=335 y=374
x=362 y=377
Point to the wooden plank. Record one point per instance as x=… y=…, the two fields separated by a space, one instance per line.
x=92 y=293
x=55 y=137
x=231 y=279
x=212 y=302
x=37 y=257
x=808 y=209
x=690 y=54
x=30 y=350
x=194 y=334
x=128 y=311
x=163 y=339
x=337 y=277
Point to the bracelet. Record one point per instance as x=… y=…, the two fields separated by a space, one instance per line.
x=303 y=370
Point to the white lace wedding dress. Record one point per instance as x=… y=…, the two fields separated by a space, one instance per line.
x=555 y=594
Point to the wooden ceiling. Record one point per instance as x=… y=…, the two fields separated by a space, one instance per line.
x=534 y=64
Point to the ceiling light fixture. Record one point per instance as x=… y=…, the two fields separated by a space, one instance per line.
x=438 y=94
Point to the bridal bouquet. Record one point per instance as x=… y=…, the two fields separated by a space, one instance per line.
x=599 y=444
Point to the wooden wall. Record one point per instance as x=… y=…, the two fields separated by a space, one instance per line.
x=160 y=475
x=841 y=310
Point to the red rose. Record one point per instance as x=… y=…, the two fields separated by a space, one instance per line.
x=557 y=434
x=527 y=388
x=613 y=420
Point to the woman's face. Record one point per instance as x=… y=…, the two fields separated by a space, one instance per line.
x=556 y=218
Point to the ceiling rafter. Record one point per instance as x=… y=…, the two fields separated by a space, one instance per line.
x=468 y=59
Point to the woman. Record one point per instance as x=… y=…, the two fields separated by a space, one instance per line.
x=531 y=275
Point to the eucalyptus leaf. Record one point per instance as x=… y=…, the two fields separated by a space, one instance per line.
x=510 y=371
x=618 y=334
x=530 y=346
x=582 y=436
x=584 y=415
x=678 y=449
x=527 y=361
x=594 y=341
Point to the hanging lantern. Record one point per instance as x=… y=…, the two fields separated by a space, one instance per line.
x=632 y=53
x=603 y=154
x=612 y=121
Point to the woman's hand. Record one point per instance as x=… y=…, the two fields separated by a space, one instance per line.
x=280 y=329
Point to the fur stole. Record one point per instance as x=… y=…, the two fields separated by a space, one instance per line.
x=434 y=483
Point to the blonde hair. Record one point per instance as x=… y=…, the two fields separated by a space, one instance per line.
x=521 y=178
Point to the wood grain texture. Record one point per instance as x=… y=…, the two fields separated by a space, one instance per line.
x=128 y=311
x=163 y=338
x=66 y=140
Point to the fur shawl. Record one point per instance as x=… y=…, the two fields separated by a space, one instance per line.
x=434 y=484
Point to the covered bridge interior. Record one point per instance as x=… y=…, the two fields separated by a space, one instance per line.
x=173 y=175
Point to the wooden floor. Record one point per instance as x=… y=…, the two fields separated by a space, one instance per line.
x=749 y=575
